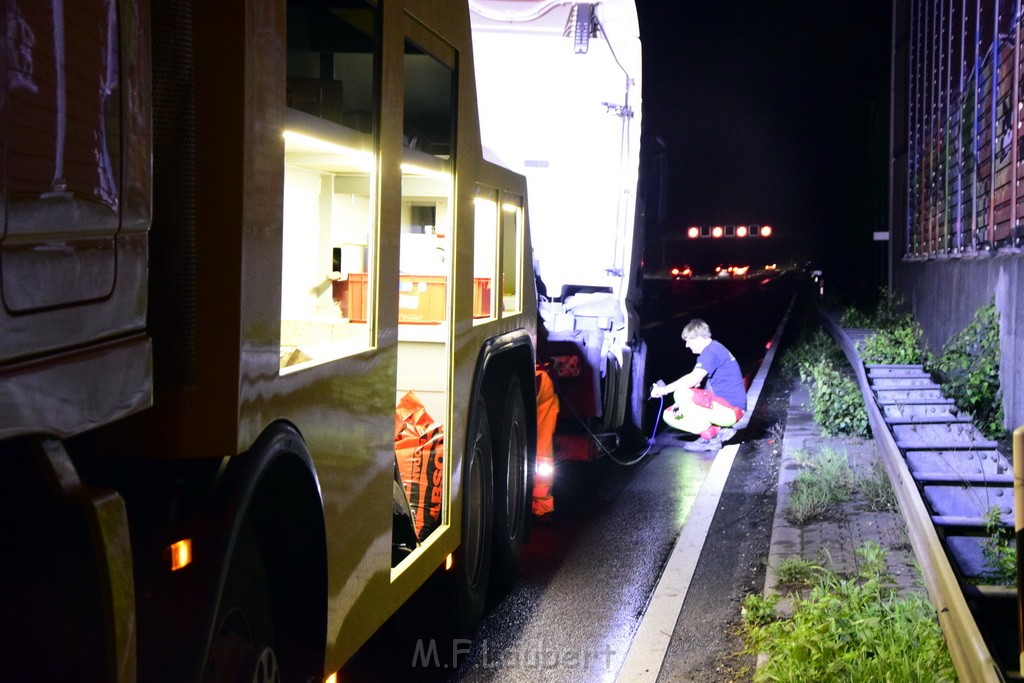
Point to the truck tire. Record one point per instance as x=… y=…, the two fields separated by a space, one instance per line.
x=511 y=497
x=637 y=426
x=471 y=568
x=242 y=648
x=453 y=601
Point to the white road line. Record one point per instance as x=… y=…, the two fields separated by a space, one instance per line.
x=646 y=653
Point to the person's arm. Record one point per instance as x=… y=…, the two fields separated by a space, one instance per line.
x=687 y=381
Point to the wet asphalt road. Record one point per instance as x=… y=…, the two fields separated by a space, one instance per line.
x=587 y=576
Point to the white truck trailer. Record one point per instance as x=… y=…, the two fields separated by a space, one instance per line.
x=558 y=88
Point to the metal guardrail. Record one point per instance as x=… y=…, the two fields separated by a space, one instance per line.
x=967 y=647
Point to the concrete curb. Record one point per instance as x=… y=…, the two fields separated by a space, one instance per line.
x=787 y=541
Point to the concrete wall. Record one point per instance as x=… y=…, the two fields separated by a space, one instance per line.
x=944 y=295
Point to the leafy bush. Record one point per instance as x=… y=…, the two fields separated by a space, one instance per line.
x=835 y=398
x=969 y=367
x=836 y=401
x=888 y=312
x=815 y=347
x=900 y=344
x=855 y=318
x=852 y=630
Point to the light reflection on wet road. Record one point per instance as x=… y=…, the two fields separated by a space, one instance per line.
x=587 y=576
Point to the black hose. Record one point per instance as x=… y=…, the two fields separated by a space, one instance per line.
x=625 y=463
x=650 y=441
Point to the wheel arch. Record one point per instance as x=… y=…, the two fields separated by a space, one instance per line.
x=274 y=485
x=509 y=353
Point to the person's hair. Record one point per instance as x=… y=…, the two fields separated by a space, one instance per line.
x=696 y=328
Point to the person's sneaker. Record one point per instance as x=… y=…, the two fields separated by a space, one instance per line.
x=704 y=445
x=726 y=433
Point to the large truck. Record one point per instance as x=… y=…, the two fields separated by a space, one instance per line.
x=571 y=125
x=267 y=336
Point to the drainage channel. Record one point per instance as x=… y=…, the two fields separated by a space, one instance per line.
x=947 y=476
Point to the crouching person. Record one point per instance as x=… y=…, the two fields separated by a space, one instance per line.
x=711 y=411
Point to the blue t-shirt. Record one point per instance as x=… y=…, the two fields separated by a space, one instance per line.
x=724 y=376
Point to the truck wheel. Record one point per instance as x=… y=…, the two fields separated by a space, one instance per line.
x=242 y=649
x=472 y=561
x=451 y=604
x=636 y=428
x=510 y=495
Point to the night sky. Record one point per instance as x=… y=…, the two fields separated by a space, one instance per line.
x=777 y=112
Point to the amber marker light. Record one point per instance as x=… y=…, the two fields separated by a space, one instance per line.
x=333 y=678
x=693 y=232
x=741 y=231
x=766 y=230
x=180 y=554
x=448 y=562
x=716 y=231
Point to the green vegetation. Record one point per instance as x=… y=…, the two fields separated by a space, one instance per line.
x=813 y=348
x=836 y=400
x=999 y=551
x=901 y=344
x=823 y=483
x=758 y=610
x=969 y=368
x=897 y=338
x=888 y=312
x=796 y=572
x=854 y=630
x=877 y=489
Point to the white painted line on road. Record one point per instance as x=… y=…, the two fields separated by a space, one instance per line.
x=647 y=652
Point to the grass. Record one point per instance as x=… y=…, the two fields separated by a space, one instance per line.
x=849 y=629
x=796 y=572
x=824 y=482
x=878 y=493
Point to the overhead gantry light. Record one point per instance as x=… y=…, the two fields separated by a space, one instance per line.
x=729 y=231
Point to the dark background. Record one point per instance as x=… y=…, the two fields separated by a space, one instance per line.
x=773 y=112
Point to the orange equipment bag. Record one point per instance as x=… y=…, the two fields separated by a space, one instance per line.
x=547 y=415
x=419 y=451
